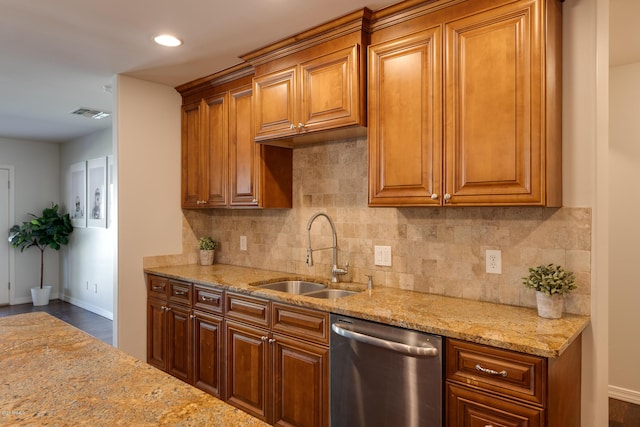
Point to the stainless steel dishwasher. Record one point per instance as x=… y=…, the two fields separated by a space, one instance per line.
x=384 y=376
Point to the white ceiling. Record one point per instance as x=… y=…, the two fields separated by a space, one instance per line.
x=57 y=56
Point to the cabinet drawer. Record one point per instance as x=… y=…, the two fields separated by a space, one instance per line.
x=248 y=309
x=301 y=322
x=210 y=300
x=499 y=371
x=466 y=407
x=180 y=292
x=157 y=287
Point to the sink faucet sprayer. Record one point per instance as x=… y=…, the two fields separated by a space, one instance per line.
x=335 y=270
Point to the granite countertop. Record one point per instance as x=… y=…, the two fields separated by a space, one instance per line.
x=503 y=326
x=55 y=374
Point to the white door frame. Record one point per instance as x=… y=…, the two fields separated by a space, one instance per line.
x=12 y=266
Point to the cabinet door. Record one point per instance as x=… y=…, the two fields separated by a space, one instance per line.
x=466 y=407
x=156 y=333
x=301 y=383
x=405 y=116
x=207 y=362
x=275 y=104
x=214 y=151
x=493 y=90
x=179 y=344
x=330 y=91
x=191 y=161
x=247 y=364
x=244 y=155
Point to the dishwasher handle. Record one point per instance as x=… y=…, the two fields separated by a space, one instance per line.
x=426 y=349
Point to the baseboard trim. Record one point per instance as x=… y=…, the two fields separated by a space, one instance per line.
x=28 y=300
x=92 y=308
x=630 y=396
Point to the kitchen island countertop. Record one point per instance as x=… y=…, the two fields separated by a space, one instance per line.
x=55 y=374
x=498 y=325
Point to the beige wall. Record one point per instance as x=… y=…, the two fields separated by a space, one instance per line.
x=624 y=292
x=149 y=217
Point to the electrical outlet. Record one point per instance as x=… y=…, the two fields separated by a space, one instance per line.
x=382 y=256
x=494 y=261
x=243 y=243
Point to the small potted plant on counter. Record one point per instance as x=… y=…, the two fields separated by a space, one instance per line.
x=207 y=248
x=50 y=230
x=551 y=283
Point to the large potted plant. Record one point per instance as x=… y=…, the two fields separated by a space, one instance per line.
x=49 y=230
x=551 y=283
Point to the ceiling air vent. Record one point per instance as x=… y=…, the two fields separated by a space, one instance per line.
x=91 y=113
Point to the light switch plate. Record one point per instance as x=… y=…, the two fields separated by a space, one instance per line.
x=243 y=243
x=382 y=256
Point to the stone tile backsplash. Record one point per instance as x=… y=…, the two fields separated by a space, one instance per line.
x=434 y=249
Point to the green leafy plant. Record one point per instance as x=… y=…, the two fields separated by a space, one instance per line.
x=50 y=230
x=550 y=279
x=207 y=244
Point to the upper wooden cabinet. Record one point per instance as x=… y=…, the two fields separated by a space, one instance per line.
x=314 y=81
x=222 y=166
x=486 y=130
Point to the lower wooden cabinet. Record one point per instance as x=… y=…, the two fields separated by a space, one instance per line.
x=300 y=382
x=179 y=342
x=280 y=377
x=266 y=358
x=487 y=386
x=467 y=407
x=184 y=342
x=207 y=353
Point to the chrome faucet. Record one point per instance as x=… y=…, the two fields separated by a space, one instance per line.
x=335 y=270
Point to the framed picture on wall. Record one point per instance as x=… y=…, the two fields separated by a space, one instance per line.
x=110 y=191
x=96 y=192
x=78 y=194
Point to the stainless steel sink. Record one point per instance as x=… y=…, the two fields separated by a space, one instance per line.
x=330 y=293
x=296 y=287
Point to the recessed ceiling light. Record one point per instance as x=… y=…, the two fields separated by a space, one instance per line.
x=167 y=40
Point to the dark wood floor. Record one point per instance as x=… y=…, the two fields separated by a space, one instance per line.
x=93 y=324
x=623 y=414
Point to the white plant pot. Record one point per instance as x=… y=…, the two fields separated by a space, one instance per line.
x=206 y=257
x=41 y=296
x=550 y=307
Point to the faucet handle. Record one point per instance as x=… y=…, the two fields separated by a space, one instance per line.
x=369 y=281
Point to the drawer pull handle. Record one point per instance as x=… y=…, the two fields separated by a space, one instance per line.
x=179 y=292
x=206 y=299
x=157 y=288
x=502 y=373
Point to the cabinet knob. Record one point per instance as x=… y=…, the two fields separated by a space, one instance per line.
x=254 y=201
x=271 y=341
x=263 y=338
x=192 y=316
x=435 y=196
x=301 y=126
x=447 y=197
x=163 y=308
x=292 y=127
x=167 y=308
